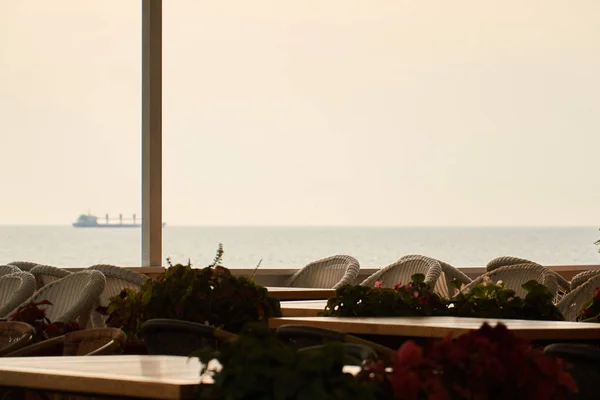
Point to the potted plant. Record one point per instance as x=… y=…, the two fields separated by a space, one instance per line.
x=415 y=298
x=257 y=365
x=210 y=295
x=487 y=364
x=494 y=300
x=484 y=300
x=34 y=314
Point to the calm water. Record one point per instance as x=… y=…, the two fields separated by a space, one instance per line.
x=294 y=247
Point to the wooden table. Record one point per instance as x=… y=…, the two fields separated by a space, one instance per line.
x=147 y=377
x=297 y=293
x=309 y=308
x=439 y=327
x=150 y=377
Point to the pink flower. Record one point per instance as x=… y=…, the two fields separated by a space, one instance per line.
x=415 y=294
x=378 y=284
x=397 y=285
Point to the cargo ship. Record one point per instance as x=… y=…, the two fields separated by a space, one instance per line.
x=91 y=221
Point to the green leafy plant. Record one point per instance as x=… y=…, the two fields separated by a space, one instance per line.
x=415 y=298
x=486 y=364
x=257 y=366
x=494 y=300
x=591 y=311
x=210 y=295
x=34 y=314
x=485 y=300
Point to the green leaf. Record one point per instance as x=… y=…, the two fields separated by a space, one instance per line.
x=418 y=278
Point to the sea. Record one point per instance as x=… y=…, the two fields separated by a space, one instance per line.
x=294 y=247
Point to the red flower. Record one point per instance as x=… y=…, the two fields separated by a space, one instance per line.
x=483 y=364
x=408 y=354
x=397 y=285
x=423 y=300
x=406 y=385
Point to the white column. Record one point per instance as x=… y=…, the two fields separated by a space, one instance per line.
x=151 y=133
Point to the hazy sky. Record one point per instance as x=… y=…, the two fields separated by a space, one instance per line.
x=313 y=112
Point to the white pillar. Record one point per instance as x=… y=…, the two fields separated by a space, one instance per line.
x=151 y=133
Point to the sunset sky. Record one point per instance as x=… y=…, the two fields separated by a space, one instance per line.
x=314 y=112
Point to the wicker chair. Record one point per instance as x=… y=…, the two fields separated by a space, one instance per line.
x=583 y=277
x=23 y=265
x=514 y=276
x=117 y=279
x=301 y=336
x=180 y=338
x=14 y=290
x=563 y=285
x=329 y=273
x=450 y=273
x=45 y=274
x=573 y=302
x=89 y=342
x=8 y=269
x=72 y=297
x=14 y=335
x=402 y=270
x=443 y=285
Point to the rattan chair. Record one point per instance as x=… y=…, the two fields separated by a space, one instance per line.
x=23 y=265
x=402 y=270
x=8 y=269
x=583 y=277
x=329 y=273
x=514 y=276
x=451 y=273
x=89 y=342
x=443 y=286
x=45 y=274
x=117 y=279
x=14 y=335
x=572 y=303
x=563 y=285
x=72 y=297
x=14 y=290
x=180 y=338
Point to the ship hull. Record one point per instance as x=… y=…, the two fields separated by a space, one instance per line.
x=78 y=225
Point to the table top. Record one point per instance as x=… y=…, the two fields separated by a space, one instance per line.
x=155 y=377
x=148 y=377
x=297 y=293
x=307 y=308
x=439 y=327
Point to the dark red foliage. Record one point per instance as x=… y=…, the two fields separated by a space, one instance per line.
x=34 y=314
x=487 y=364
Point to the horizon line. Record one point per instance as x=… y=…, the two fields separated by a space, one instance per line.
x=327 y=226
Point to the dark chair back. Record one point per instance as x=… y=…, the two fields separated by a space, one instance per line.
x=355 y=354
x=585 y=366
x=301 y=336
x=180 y=338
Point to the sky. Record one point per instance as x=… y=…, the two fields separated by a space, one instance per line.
x=319 y=112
